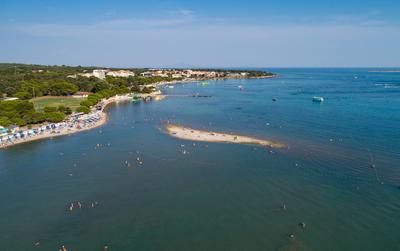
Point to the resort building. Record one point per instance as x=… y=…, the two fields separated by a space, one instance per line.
x=146 y=74
x=121 y=73
x=101 y=74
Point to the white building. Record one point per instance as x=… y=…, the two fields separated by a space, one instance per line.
x=121 y=73
x=146 y=74
x=99 y=73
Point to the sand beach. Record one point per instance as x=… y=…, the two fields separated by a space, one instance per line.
x=187 y=133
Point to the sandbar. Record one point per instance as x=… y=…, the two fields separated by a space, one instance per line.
x=187 y=133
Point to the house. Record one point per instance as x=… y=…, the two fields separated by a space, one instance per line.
x=81 y=94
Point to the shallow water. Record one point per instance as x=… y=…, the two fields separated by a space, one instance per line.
x=223 y=196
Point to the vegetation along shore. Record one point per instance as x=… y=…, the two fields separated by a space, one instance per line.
x=33 y=97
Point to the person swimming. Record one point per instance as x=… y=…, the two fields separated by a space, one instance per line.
x=63 y=248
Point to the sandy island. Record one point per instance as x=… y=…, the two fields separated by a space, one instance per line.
x=186 y=133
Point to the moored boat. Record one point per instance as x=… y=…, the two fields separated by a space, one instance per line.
x=318 y=99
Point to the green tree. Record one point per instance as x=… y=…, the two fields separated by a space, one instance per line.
x=18 y=121
x=68 y=111
x=62 y=88
x=4 y=121
x=83 y=109
x=48 y=109
x=55 y=117
x=86 y=103
x=23 y=95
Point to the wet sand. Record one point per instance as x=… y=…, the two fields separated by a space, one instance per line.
x=187 y=133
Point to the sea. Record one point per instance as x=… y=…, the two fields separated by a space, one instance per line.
x=335 y=187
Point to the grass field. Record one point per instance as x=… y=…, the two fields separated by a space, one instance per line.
x=41 y=102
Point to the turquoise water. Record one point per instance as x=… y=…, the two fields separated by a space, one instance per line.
x=220 y=197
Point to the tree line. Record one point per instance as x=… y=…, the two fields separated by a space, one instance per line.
x=30 y=81
x=22 y=112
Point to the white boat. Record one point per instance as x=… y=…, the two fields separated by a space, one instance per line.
x=318 y=99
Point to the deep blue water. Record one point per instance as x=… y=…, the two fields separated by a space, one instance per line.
x=220 y=197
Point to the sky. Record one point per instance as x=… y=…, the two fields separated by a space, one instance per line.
x=218 y=33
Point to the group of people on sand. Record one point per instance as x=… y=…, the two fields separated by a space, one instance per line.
x=49 y=130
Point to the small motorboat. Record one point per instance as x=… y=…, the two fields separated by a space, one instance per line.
x=135 y=100
x=318 y=99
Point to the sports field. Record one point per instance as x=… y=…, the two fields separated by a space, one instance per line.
x=56 y=101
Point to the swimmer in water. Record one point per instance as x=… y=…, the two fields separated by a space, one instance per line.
x=71 y=207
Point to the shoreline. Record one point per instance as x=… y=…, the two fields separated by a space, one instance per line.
x=71 y=127
x=187 y=133
x=193 y=80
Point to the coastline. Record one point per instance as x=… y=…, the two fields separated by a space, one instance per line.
x=68 y=130
x=187 y=133
x=193 y=80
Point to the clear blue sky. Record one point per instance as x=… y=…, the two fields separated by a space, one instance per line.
x=285 y=33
